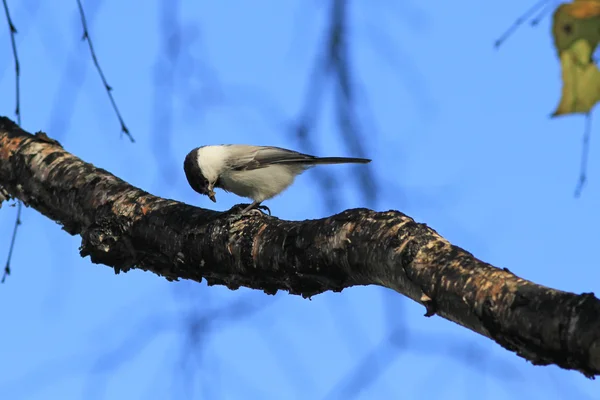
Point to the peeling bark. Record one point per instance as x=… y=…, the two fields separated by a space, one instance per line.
x=124 y=227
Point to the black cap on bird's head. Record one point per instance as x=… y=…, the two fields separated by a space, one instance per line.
x=195 y=177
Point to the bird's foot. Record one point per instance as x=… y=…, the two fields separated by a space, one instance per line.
x=248 y=208
x=261 y=207
x=255 y=211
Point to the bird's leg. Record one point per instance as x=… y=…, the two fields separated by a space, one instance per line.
x=250 y=207
x=255 y=205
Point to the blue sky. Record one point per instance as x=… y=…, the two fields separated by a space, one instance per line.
x=460 y=138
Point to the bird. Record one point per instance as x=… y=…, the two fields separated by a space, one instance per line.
x=255 y=172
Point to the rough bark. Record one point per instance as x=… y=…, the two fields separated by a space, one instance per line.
x=124 y=227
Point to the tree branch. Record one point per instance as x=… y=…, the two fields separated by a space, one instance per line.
x=124 y=227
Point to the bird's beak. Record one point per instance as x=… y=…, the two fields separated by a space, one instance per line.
x=211 y=195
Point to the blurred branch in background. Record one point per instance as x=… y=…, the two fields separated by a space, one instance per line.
x=195 y=326
x=471 y=355
x=74 y=71
x=176 y=67
x=332 y=69
x=174 y=45
x=333 y=65
x=203 y=322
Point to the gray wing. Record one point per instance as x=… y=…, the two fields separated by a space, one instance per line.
x=246 y=157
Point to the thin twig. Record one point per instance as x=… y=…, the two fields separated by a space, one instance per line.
x=519 y=21
x=13 y=32
x=543 y=13
x=12 y=242
x=584 y=155
x=86 y=36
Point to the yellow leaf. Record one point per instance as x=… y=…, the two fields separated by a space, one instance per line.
x=576 y=21
x=581 y=81
x=576 y=32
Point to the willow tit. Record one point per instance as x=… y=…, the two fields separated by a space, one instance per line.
x=255 y=172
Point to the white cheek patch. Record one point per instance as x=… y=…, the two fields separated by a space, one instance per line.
x=210 y=160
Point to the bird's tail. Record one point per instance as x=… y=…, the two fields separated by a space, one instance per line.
x=339 y=160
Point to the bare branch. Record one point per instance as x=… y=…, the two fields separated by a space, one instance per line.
x=585 y=150
x=86 y=36
x=540 y=5
x=12 y=242
x=13 y=32
x=124 y=227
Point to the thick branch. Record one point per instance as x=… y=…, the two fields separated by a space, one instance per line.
x=124 y=227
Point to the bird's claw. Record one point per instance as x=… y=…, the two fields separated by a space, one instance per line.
x=261 y=207
x=243 y=209
x=254 y=211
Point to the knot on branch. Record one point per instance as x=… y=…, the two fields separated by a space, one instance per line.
x=4 y=195
x=108 y=241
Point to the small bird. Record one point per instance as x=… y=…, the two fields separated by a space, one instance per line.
x=255 y=172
